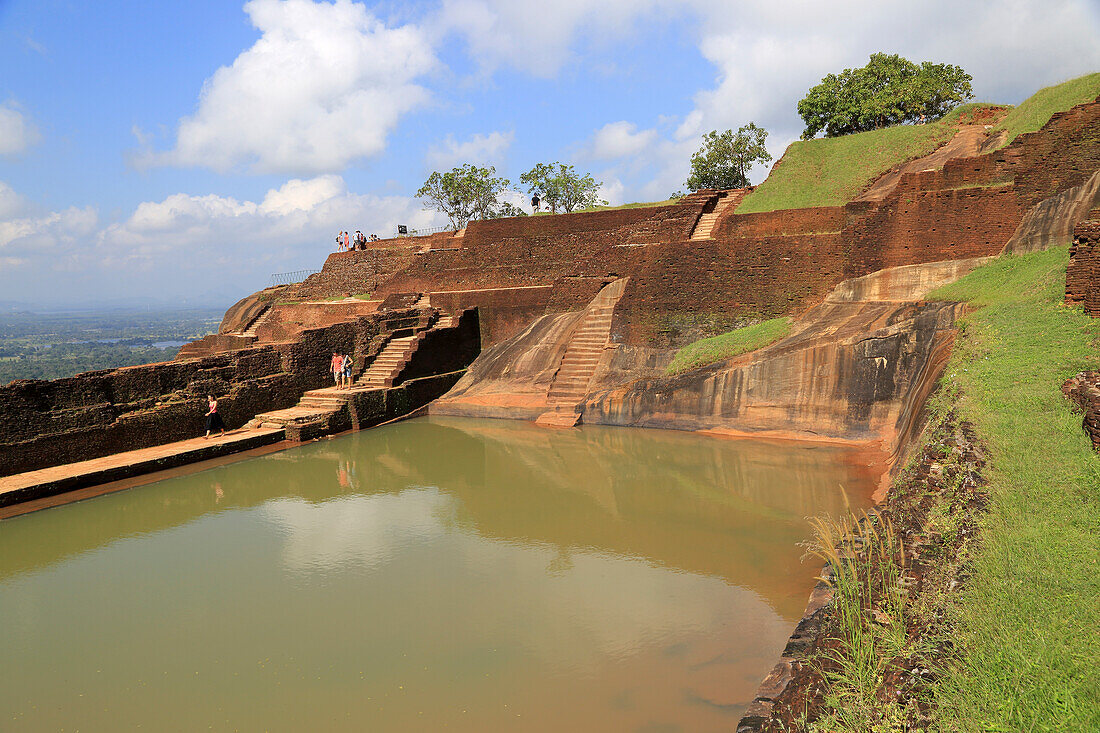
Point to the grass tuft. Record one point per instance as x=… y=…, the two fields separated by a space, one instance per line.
x=727 y=345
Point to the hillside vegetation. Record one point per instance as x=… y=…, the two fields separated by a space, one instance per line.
x=1026 y=635
x=832 y=171
x=1036 y=110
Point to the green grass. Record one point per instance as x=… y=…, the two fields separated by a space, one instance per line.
x=832 y=171
x=1035 y=111
x=1028 y=623
x=727 y=345
x=638 y=205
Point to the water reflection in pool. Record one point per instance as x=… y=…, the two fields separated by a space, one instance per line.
x=442 y=573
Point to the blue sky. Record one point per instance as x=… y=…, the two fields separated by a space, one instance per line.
x=184 y=151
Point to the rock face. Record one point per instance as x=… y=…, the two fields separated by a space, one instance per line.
x=853 y=372
x=856 y=369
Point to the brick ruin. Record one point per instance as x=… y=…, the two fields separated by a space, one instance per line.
x=47 y=423
x=753 y=266
x=681 y=284
x=1083 y=271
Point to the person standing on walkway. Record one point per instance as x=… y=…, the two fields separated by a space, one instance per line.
x=535 y=200
x=337 y=368
x=213 y=419
x=339 y=241
x=347 y=364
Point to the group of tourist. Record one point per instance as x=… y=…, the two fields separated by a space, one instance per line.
x=346 y=243
x=341 y=370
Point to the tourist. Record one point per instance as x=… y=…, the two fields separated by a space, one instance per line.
x=347 y=363
x=337 y=365
x=360 y=240
x=339 y=241
x=535 y=202
x=213 y=419
x=347 y=242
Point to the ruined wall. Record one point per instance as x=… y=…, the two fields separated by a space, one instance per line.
x=356 y=272
x=1083 y=271
x=46 y=423
x=502 y=312
x=756 y=265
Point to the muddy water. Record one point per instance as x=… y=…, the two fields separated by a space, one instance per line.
x=435 y=574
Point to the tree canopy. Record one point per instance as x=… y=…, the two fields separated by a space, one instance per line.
x=889 y=90
x=725 y=159
x=468 y=193
x=559 y=186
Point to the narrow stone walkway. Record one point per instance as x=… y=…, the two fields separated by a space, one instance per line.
x=59 y=479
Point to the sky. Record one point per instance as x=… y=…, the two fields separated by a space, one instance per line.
x=183 y=152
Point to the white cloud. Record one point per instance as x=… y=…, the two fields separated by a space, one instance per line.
x=537 y=38
x=49 y=237
x=189 y=244
x=17 y=134
x=323 y=86
x=479 y=149
x=619 y=139
x=768 y=54
x=195 y=230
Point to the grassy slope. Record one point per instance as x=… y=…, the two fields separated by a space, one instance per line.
x=1028 y=623
x=1035 y=111
x=832 y=171
x=727 y=345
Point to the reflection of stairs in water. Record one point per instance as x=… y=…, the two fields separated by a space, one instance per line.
x=582 y=356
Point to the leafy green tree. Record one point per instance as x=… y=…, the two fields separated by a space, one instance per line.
x=559 y=186
x=725 y=159
x=467 y=193
x=889 y=90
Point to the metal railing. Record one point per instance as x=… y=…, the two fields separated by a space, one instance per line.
x=424 y=232
x=289 y=278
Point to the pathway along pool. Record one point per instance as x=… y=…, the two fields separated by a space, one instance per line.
x=469 y=575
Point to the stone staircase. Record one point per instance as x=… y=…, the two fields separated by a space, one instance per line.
x=257 y=322
x=582 y=355
x=387 y=365
x=704 y=228
x=322 y=410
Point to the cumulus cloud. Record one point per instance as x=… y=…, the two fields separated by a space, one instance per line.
x=188 y=243
x=323 y=86
x=617 y=139
x=537 y=39
x=766 y=55
x=17 y=134
x=300 y=213
x=27 y=235
x=479 y=150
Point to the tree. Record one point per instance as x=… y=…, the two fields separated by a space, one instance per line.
x=467 y=193
x=562 y=187
x=889 y=90
x=725 y=159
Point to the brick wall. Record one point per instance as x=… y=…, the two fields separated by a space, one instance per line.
x=46 y=423
x=758 y=265
x=1083 y=271
x=356 y=272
